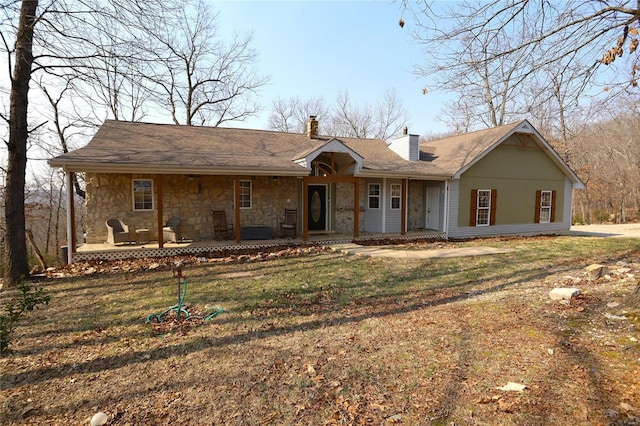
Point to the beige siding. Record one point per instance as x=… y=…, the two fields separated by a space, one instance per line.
x=516 y=171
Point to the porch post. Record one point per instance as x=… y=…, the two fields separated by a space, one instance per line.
x=356 y=207
x=403 y=220
x=71 y=220
x=160 y=205
x=305 y=206
x=236 y=188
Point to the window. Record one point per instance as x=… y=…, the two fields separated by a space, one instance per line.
x=142 y=194
x=374 y=195
x=545 y=207
x=396 y=193
x=245 y=194
x=483 y=207
x=483 y=211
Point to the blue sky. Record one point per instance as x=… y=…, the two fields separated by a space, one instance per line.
x=319 y=48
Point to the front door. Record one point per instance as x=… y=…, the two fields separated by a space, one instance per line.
x=432 y=220
x=317 y=208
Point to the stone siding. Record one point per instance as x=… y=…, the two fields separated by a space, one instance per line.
x=344 y=207
x=191 y=199
x=415 y=205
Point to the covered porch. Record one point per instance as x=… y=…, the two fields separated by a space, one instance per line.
x=216 y=248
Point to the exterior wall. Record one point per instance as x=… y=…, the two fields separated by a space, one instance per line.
x=190 y=199
x=393 y=217
x=416 y=205
x=372 y=217
x=384 y=219
x=441 y=202
x=516 y=172
x=343 y=218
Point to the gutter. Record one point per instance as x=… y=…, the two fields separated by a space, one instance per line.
x=142 y=168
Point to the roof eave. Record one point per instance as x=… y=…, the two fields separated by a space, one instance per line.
x=401 y=175
x=151 y=169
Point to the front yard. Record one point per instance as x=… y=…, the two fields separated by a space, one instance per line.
x=333 y=339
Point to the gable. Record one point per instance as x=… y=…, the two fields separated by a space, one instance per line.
x=517 y=157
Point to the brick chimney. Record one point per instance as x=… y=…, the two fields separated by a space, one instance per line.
x=312 y=127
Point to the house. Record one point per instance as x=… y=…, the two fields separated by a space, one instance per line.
x=499 y=181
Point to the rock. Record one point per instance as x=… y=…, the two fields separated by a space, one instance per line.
x=613 y=304
x=99 y=419
x=596 y=271
x=154 y=266
x=614 y=317
x=396 y=418
x=627 y=408
x=512 y=387
x=564 y=293
x=90 y=271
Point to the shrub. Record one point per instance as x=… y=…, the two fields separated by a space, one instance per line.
x=15 y=307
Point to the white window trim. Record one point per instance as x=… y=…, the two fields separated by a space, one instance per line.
x=479 y=209
x=543 y=208
x=133 y=195
x=369 y=196
x=250 y=194
x=392 y=197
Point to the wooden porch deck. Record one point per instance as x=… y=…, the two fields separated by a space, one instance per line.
x=105 y=251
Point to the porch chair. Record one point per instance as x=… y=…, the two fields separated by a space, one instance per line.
x=117 y=232
x=220 y=227
x=290 y=224
x=170 y=231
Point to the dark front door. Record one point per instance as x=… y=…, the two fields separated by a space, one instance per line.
x=317 y=208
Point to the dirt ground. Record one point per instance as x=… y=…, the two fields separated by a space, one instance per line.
x=485 y=349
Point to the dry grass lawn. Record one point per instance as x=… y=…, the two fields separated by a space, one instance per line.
x=333 y=339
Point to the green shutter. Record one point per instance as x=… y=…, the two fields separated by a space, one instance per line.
x=536 y=216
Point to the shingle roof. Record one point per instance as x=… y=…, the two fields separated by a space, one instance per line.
x=121 y=146
x=456 y=152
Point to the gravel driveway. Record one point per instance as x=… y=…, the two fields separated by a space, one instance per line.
x=631 y=230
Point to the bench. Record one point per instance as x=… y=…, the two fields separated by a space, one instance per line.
x=256 y=233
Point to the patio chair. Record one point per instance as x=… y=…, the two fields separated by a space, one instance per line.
x=290 y=224
x=170 y=231
x=117 y=232
x=220 y=227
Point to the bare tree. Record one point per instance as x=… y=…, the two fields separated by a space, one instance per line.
x=199 y=76
x=17 y=264
x=590 y=35
x=291 y=115
x=383 y=120
x=490 y=91
x=94 y=55
x=562 y=48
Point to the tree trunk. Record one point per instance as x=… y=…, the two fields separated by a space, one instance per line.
x=32 y=241
x=17 y=263
x=633 y=301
